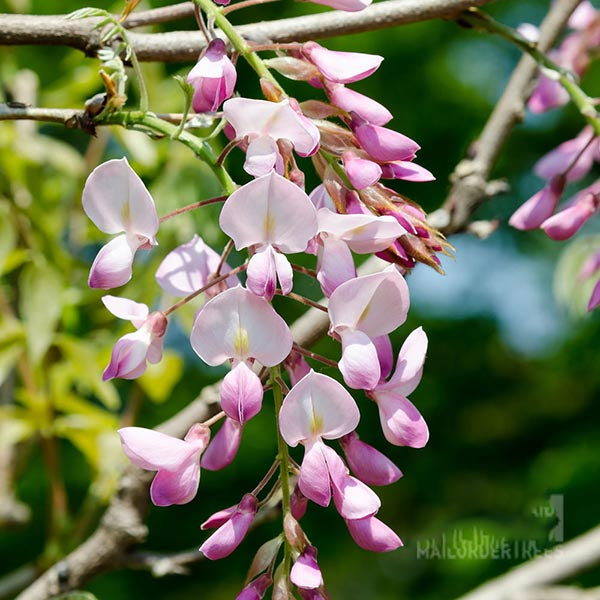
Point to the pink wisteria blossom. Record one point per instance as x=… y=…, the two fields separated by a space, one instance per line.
x=539 y=207
x=256 y=589
x=401 y=422
x=176 y=461
x=372 y=534
x=319 y=407
x=233 y=524
x=306 y=573
x=273 y=216
x=261 y=123
x=132 y=351
x=189 y=267
x=360 y=310
x=213 y=78
x=354 y=102
x=117 y=201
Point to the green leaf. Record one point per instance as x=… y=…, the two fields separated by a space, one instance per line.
x=11 y=345
x=40 y=306
x=8 y=235
x=159 y=380
x=15 y=425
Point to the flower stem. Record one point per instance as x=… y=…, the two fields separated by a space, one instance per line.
x=483 y=22
x=244 y=4
x=302 y=300
x=148 y=121
x=284 y=464
x=144 y=103
x=315 y=356
x=192 y=206
x=265 y=479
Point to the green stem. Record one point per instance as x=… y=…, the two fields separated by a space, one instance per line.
x=238 y=42
x=483 y=22
x=148 y=121
x=144 y=103
x=284 y=464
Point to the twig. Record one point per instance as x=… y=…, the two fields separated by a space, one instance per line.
x=470 y=180
x=183 y=46
x=562 y=562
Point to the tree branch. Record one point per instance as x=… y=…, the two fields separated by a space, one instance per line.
x=470 y=180
x=561 y=563
x=184 y=46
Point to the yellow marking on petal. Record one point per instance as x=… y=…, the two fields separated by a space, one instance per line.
x=358 y=230
x=126 y=212
x=316 y=424
x=240 y=342
x=364 y=314
x=269 y=225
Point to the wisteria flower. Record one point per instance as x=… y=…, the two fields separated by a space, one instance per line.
x=116 y=200
x=319 y=407
x=261 y=123
x=133 y=350
x=213 y=78
x=274 y=216
x=176 y=461
x=189 y=268
x=361 y=310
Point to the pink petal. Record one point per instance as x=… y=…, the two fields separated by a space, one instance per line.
x=361 y=172
x=306 y=573
x=555 y=162
x=548 y=94
x=406 y=170
x=401 y=422
x=189 y=267
x=409 y=367
x=256 y=589
x=359 y=364
x=176 y=487
x=367 y=463
x=341 y=67
x=275 y=119
x=223 y=447
x=364 y=233
x=262 y=274
x=296 y=367
x=116 y=200
x=569 y=221
x=385 y=354
x=123 y=308
x=335 y=264
x=285 y=273
x=112 y=266
x=314 y=476
x=583 y=16
x=352 y=498
x=152 y=450
x=217 y=519
x=317 y=406
x=241 y=393
x=128 y=358
x=237 y=324
x=595 y=297
x=263 y=156
x=372 y=534
x=269 y=210
x=383 y=144
x=590 y=266
x=375 y=304
x=299 y=503
x=230 y=535
x=365 y=107
x=539 y=207
x=321 y=198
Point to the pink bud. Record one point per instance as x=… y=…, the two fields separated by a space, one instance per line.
x=256 y=589
x=347 y=5
x=341 y=67
x=372 y=534
x=353 y=102
x=361 y=172
x=213 y=78
x=241 y=393
x=539 y=207
x=299 y=503
x=306 y=573
x=590 y=266
x=368 y=464
x=569 y=221
x=224 y=446
x=406 y=170
x=296 y=366
x=384 y=144
x=230 y=535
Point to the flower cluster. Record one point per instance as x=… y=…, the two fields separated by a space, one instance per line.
x=270 y=218
x=573 y=159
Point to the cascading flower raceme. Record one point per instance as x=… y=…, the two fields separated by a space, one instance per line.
x=266 y=219
x=116 y=200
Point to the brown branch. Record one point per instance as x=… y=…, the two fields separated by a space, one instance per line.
x=470 y=181
x=561 y=563
x=183 y=46
x=558 y=592
x=164 y=14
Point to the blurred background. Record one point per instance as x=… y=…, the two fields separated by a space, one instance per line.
x=511 y=379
